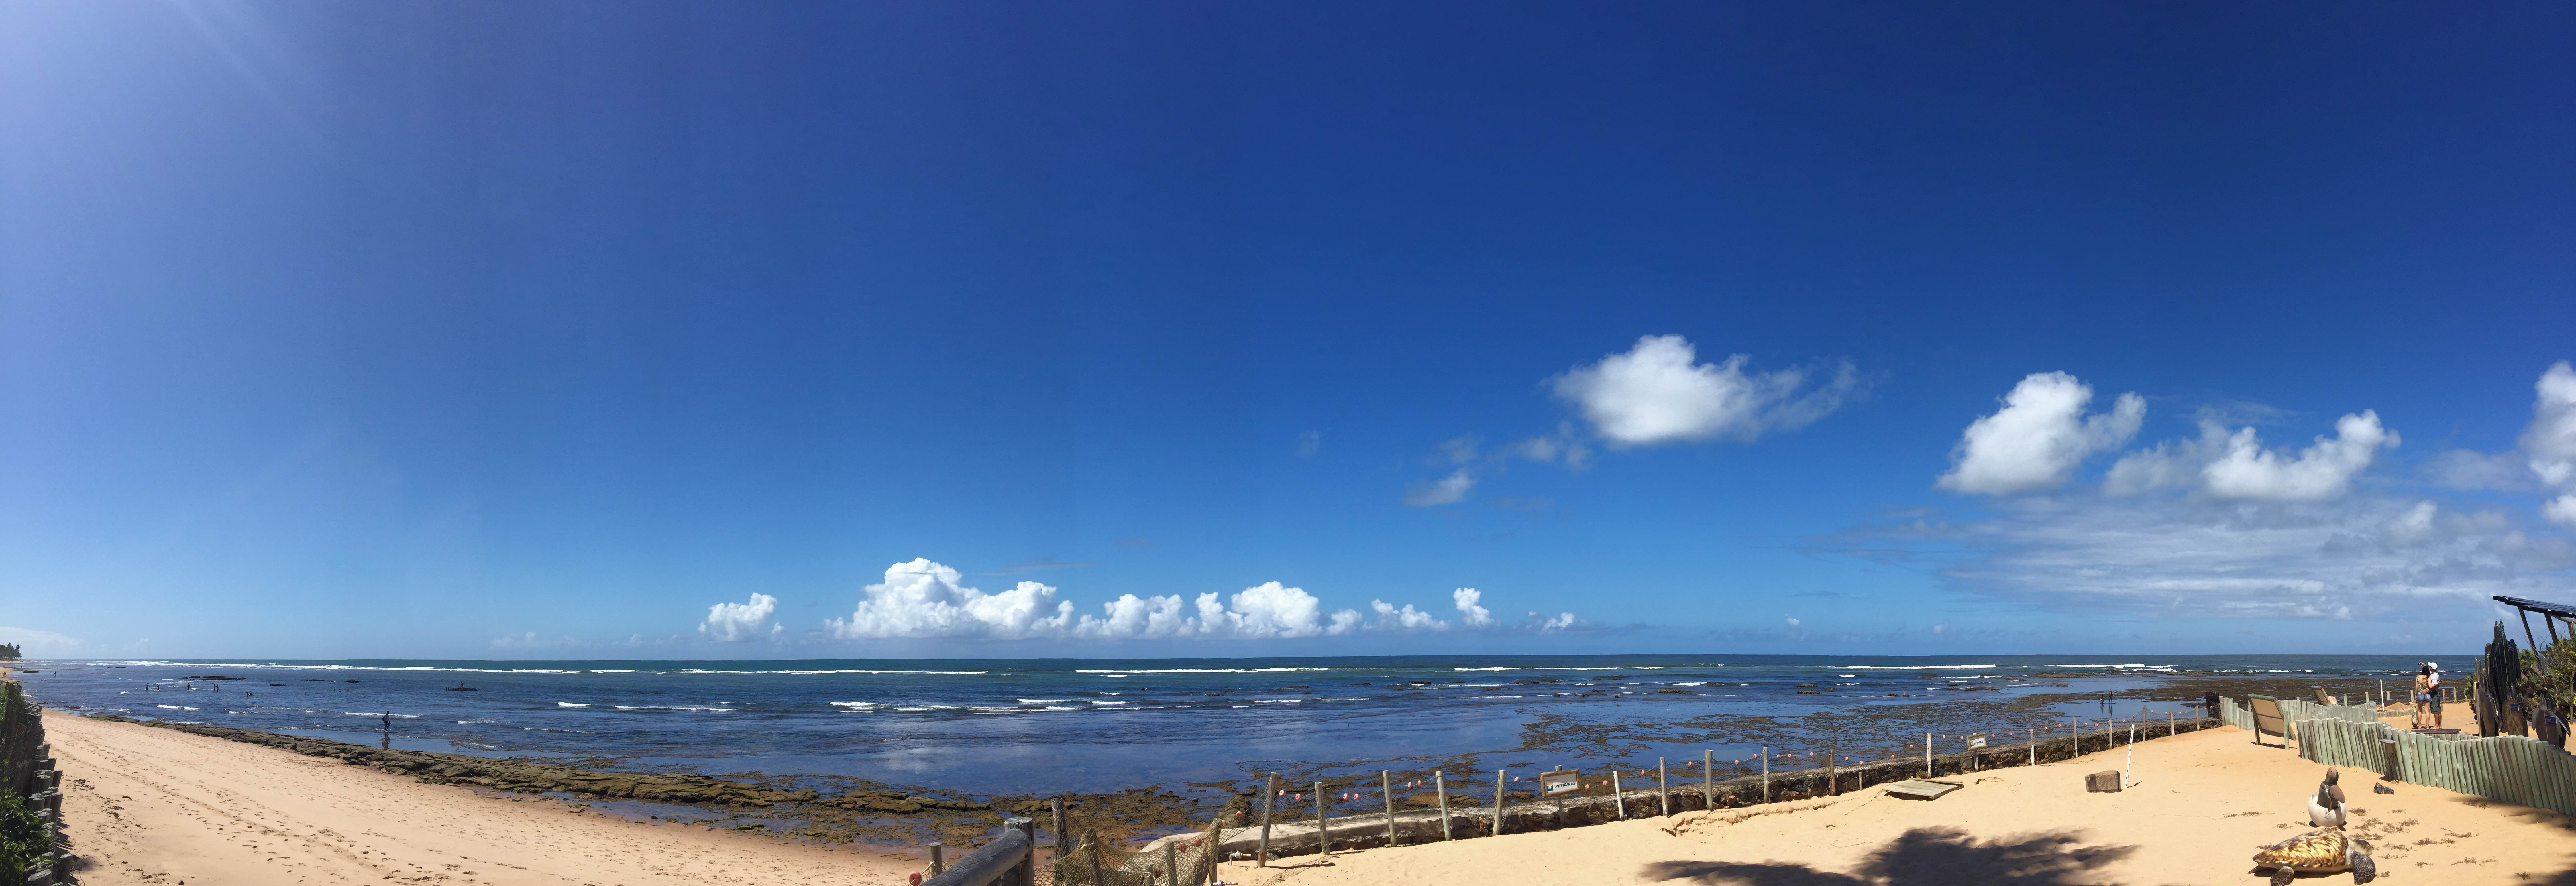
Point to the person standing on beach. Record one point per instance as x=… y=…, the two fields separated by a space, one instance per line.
x=2433 y=691
x=2423 y=693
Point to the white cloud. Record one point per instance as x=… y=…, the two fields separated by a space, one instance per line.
x=1263 y=611
x=1656 y=393
x=2550 y=440
x=2171 y=464
x=1406 y=618
x=1474 y=615
x=2560 y=510
x=33 y=643
x=2321 y=471
x=921 y=599
x=2039 y=437
x=1309 y=443
x=1450 y=490
x=738 y=622
x=1562 y=621
x=1942 y=627
x=1344 y=622
x=2191 y=556
x=925 y=599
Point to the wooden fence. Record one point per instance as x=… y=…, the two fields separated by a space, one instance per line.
x=2509 y=768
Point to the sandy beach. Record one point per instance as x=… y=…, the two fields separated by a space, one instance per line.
x=2201 y=804
x=162 y=807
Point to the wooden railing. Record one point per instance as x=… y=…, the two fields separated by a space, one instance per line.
x=1009 y=861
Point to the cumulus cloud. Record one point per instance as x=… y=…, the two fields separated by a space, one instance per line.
x=2322 y=471
x=2551 y=438
x=2560 y=510
x=1562 y=621
x=739 y=622
x=2235 y=465
x=1474 y=615
x=925 y=599
x=1449 y=490
x=1657 y=392
x=2039 y=437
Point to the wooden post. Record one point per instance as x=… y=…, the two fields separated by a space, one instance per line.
x=937 y=863
x=1386 y=789
x=2077 y=736
x=1766 y=774
x=1833 y=776
x=1707 y=779
x=1172 y=863
x=2034 y=747
x=1028 y=828
x=1927 y=755
x=1062 y=840
x=1440 y=784
x=1269 y=793
x=1663 y=787
x=1498 y=801
x=1618 y=797
x=1093 y=838
x=1323 y=828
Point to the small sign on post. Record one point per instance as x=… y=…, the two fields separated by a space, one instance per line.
x=1559 y=782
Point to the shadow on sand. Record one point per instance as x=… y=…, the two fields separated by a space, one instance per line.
x=1922 y=857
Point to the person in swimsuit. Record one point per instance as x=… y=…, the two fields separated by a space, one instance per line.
x=2433 y=691
x=2423 y=696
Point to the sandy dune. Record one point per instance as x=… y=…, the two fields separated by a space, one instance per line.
x=2200 y=806
x=162 y=807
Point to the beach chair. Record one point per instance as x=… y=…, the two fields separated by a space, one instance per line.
x=2267 y=718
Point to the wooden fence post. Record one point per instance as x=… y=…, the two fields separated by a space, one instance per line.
x=1707 y=779
x=1766 y=773
x=1028 y=828
x=1440 y=784
x=1172 y=863
x=1498 y=801
x=2034 y=747
x=1061 y=841
x=1386 y=789
x=1617 y=795
x=937 y=863
x=1663 y=787
x=1323 y=826
x=1269 y=793
x=1833 y=776
x=1927 y=755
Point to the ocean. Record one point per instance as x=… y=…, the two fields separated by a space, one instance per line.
x=1024 y=726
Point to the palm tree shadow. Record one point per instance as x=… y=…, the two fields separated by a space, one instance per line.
x=1922 y=857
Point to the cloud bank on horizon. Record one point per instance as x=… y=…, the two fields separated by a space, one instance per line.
x=921 y=599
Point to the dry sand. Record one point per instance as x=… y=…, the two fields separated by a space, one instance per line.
x=2201 y=804
x=163 y=807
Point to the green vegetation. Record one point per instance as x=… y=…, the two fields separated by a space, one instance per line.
x=8 y=652
x=22 y=840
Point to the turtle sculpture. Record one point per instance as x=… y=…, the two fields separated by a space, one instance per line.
x=2324 y=851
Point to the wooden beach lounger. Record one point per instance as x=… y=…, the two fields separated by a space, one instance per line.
x=2267 y=718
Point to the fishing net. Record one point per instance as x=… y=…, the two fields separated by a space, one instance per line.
x=1093 y=864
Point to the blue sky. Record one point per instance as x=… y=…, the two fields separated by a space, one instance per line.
x=537 y=330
